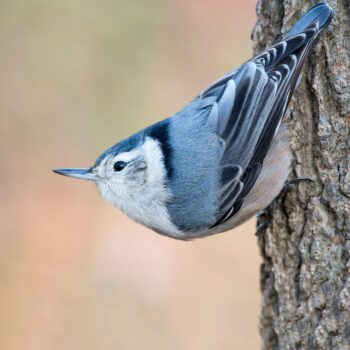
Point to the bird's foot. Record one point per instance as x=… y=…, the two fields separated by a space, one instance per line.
x=265 y=216
x=289 y=185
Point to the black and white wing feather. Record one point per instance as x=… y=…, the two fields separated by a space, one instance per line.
x=250 y=105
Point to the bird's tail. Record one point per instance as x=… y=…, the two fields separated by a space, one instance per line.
x=321 y=13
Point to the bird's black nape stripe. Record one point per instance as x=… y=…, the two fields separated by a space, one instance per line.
x=160 y=132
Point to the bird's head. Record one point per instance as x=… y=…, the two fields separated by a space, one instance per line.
x=133 y=177
x=124 y=170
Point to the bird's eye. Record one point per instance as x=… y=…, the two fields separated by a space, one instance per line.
x=119 y=166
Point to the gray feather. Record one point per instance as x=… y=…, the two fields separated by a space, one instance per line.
x=231 y=124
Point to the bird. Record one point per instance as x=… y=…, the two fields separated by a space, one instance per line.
x=223 y=157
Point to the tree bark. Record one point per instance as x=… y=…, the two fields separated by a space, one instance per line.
x=305 y=281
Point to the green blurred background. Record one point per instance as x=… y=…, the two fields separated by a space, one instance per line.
x=76 y=77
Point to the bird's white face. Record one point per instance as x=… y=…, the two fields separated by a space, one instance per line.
x=135 y=182
x=120 y=176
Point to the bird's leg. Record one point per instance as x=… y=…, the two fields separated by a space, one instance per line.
x=265 y=216
x=289 y=186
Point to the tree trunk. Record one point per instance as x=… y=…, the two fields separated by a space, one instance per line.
x=305 y=280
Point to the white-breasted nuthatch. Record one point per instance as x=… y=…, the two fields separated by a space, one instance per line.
x=223 y=157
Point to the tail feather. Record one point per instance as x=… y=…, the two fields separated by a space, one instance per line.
x=321 y=13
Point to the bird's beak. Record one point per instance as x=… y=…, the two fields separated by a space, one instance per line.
x=85 y=173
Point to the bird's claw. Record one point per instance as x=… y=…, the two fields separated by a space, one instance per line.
x=289 y=185
x=265 y=216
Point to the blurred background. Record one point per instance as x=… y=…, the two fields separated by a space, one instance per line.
x=76 y=77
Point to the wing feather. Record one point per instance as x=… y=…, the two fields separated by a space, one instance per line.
x=250 y=104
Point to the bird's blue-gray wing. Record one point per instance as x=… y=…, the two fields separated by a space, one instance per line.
x=249 y=106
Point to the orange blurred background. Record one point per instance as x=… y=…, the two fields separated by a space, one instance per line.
x=76 y=77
